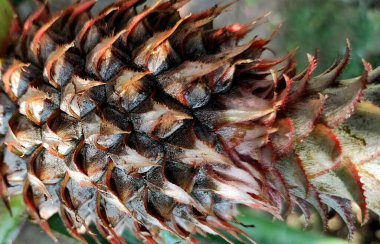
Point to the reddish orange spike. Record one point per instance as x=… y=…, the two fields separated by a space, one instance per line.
x=177 y=227
x=130 y=27
x=53 y=58
x=114 y=237
x=42 y=31
x=69 y=225
x=231 y=229
x=108 y=175
x=32 y=18
x=92 y=22
x=73 y=113
x=78 y=9
x=33 y=210
x=161 y=38
x=214 y=11
x=165 y=35
x=120 y=5
x=62 y=189
x=76 y=153
x=66 y=218
x=81 y=85
x=31 y=116
x=32 y=174
x=108 y=129
x=224 y=237
x=239 y=31
x=348 y=102
x=301 y=80
x=7 y=78
x=282 y=98
x=107 y=43
x=329 y=77
x=360 y=197
x=133 y=81
x=107 y=188
x=159 y=220
x=263 y=64
x=40 y=97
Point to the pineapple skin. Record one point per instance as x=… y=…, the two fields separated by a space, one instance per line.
x=136 y=117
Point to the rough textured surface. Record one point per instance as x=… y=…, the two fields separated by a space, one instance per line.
x=140 y=118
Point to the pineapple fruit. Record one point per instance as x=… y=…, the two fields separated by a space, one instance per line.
x=139 y=118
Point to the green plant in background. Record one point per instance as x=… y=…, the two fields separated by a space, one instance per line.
x=307 y=21
x=6 y=17
x=262 y=232
x=11 y=224
x=325 y=25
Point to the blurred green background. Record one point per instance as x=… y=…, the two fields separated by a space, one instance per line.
x=307 y=25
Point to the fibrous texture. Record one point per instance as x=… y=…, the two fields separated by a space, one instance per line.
x=137 y=117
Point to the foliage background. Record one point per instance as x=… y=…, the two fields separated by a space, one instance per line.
x=306 y=25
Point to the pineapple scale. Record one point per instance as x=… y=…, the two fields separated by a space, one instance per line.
x=144 y=119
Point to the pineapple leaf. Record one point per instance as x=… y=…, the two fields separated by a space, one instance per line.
x=359 y=136
x=360 y=141
x=10 y=225
x=372 y=94
x=328 y=171
x=343 y=208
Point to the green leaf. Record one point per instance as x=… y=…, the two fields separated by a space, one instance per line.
x=6 y=17
x=129 y=237
x=56 y=225
x=268 y=231
x=171 y=239
x=10 y=225
x=263 y=232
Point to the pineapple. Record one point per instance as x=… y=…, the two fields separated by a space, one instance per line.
x=139 y=118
